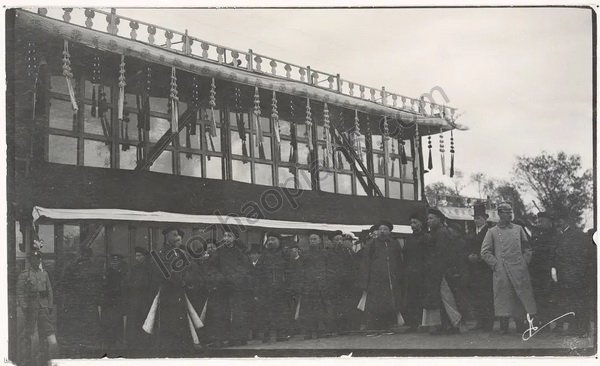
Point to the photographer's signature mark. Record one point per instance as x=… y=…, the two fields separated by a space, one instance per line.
x=533 y=330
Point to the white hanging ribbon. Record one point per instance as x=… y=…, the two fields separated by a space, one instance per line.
x=68 y=74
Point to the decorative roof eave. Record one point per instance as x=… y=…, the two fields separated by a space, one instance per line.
x=116 y=44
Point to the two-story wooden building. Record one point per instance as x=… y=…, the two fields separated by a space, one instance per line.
x=117 y=128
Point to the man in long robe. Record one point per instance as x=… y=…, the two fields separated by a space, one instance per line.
x=234 y=265
x=575 y=273
x=442 y=272
x=506 y=250
x=542 y=259
x=139 y=300
x=380 y=277
x=480 y=285
x=314 y=313
x=174 y=275
x=414 y=257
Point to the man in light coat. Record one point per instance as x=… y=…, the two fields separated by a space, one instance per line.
x=506 y=250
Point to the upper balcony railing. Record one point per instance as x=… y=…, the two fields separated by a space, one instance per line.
x=109 y=21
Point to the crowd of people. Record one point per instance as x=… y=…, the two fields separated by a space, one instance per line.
x=433 y=281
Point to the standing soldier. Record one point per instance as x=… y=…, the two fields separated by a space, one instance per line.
x=506 y=250
x=480 y=275
x=114 y=302
x=414 y=256
x=295 y=278
x=139 y=300
x=380 y=277
x=35 y=301
x=544 y=248
x=234 y=265
x=574 y=272
x=254 y=306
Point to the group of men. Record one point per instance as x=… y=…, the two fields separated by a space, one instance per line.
x=436 y=279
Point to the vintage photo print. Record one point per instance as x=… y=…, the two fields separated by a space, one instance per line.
x=300 y=181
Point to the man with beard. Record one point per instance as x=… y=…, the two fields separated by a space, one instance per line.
x=380 y=277
x=274 y=290
x=234 y=265
x=316 y=280
x=542 y=258
x=575 y=274
x=174 y=275
x=139 y=300
x=506 y=250
x=414 y=256
x=441 y=271
x=480 y=284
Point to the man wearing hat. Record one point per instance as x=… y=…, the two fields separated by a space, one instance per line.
x=314 y=311
x=35 y=302
x=139 y=299
x=234 y=265
x=276 y=315
x=344 y=294
x=506 y=250
x=414 y=257
x=173 y=277
x=440 y=308
x=113 y=307
x=254 y=306
x=574 y=270
x=544 y=248
x=480 y=286
x=381 y=276
x=82 y=286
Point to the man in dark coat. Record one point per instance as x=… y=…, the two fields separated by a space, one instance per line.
x=380 y=277
x=174 y=275
x=480 y=285
x=139 y=300
x=344 y=293
x=414 y=257
x=314 y=311
x=542 y=258
x=441 y=270
x=233 y=263
x=82 y=287
x=272 y=267
x=254 y=306
x=574 y=263
x=113 y=307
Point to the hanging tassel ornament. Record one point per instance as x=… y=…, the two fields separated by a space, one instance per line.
x=309 y=126
x=239 y=117
x=451 y=153
x=125 y=128
x=258 y=126
x=95 y=83
x=357 y=135
x=293 y=158
x=195 y=104
x=430 y=161
x=384 y=142
x=121 y=101
x=339 y=160
x=213 y=103
x=275 y=117
x=442 y=155
x=393 y=156
x=68 y=74
x=326 y=132
x=174 y=102
x=403 y=158
x=33 y=72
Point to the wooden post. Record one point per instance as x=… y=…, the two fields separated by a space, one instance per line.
x=309 y=75
x=339 y=83
x=250 y=57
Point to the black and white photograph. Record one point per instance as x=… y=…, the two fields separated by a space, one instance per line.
x=300 y=180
